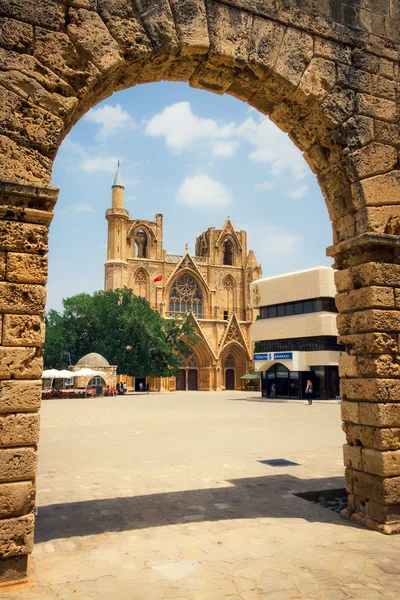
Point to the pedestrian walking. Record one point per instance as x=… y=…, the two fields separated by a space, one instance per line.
x=124 y=388
x=140 y=387
x=309 y=391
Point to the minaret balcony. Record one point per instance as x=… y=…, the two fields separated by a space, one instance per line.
x=117 y=212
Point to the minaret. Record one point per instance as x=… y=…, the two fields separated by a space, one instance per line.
x=116 y=266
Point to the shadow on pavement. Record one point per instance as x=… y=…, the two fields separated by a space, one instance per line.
x=247 y=498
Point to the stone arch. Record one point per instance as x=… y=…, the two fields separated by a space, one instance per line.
x=321 y=74
x=141 y=243
x=228 y=252
x=233 y=356
x=142 y=283
x=150 y=239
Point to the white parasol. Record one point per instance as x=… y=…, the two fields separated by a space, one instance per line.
x=85 y=372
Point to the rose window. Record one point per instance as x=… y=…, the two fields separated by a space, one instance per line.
x=186 y=296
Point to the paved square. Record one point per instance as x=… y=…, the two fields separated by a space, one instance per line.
x=152 y=497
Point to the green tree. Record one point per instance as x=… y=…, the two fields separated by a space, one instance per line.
x=123 y=328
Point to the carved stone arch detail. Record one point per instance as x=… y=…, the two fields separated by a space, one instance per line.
x=187 y=293
x=150 y=235
x=141 y=283
x=229 y=299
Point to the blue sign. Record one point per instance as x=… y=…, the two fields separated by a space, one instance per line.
x=273 y=356
x=283 y=355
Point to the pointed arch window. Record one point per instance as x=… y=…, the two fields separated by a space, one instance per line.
x=228 y=252
x=141 y=244
x=141 y=283
x=186 y=296
x=229 y=362
x=229 y=289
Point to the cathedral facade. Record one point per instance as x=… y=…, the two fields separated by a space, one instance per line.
x=213 y=287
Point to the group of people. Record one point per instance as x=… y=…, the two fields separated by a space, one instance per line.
x=119 y=390
x=144 y=388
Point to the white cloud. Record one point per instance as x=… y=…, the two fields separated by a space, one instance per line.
x=201 y=191
x=225 y=148
x=266 y=185
x=131 y=197
x=182 y=129
x=127 y=181
x=106 y=164
x=282 y=244
x=299 y=192
x=81 y=208
x=112 y=120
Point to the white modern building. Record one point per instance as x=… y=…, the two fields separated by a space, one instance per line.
x=295 y=334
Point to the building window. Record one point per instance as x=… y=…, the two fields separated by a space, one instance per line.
x=308 y=344
x=228 y=252
x=186 y=297
x=301 y=307
x=141 y=283
x=225 y=315
x=141 y=244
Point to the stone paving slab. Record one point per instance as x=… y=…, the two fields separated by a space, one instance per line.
x=160 y=497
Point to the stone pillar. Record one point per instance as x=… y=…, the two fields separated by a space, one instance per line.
x=25 y=215
x=368 y=299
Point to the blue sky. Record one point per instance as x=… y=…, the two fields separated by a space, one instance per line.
x=195 y=157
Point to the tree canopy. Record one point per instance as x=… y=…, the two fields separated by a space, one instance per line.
x=121 y=327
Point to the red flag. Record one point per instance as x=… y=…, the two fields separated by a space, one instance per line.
x=159 y=278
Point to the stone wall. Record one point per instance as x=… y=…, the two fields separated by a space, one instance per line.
x=325 y=71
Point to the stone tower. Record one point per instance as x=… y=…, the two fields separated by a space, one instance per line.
x=116 y=267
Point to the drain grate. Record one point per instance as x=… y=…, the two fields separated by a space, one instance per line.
x=279 y=462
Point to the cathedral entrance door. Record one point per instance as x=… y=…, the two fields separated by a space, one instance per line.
x=181 y=381
x=230 y=379
x=192 y=379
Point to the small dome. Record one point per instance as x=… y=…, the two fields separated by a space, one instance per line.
x=94 y=360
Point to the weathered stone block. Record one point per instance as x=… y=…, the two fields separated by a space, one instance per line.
x=356 y=132
x=318 y=78
x=229 y=30
x=13 y=569
x=23 y=163
x=47 y=13
x=372 y=437
x=380 y=108
x=89 y=33
x=20 y=363
x=339 y=53
x=370 y=343
x=19 y=429
x=372 y=390
x=384 y=365
x=379 y=415
x=370 y=160
x=21 y=298
x=16 y=536
x=377 y=191
x=266 y=40
x=23 y=237
x=381 y=489
x=158 y=22
x=385 y=464
x=382 y=513
x=16 y=35
x=350 y=412
x=26 y=268
x=295 y=53
x=352 y=457
x=365 y=298
x=23 y=330
x=20 y=396
x=376 y=274
x=214 y=79
x=3 y=258
x=191 y=25
x=369 y=320
x=18 y=464
x=387 y=133
x=16 y=499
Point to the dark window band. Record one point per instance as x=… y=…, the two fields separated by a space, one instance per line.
x=320 y=342
x=300 y=307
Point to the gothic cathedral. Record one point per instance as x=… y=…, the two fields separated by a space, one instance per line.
x=213 y=286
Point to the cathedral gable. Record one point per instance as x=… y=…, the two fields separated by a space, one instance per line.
x=187 y=263
x=233 y=333
x=228 y=230
x=198 y=330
